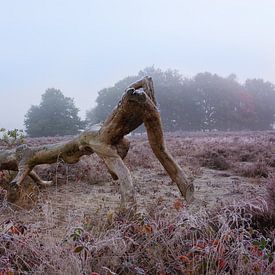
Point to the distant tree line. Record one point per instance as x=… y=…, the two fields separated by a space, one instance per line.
x=204 y=102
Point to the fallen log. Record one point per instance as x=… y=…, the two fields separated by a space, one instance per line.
x=137 y=106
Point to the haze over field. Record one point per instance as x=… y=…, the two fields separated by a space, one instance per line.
x=84 y=46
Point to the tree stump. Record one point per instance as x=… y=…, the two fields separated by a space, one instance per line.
x=25 y=196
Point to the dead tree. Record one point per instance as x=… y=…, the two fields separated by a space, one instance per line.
x=137 y=106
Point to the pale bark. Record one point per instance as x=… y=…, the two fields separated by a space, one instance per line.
x=136 y=107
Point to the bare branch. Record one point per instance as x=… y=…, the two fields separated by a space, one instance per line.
x=137 y=106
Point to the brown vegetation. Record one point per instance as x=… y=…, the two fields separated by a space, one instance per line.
x=73 y=229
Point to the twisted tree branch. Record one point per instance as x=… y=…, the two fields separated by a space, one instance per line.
x=137 y=106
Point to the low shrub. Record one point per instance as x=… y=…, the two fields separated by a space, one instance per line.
x=253 y=170
x=213 y=159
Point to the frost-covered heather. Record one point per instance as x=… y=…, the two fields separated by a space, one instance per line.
x=164 y=239
x=227 y=240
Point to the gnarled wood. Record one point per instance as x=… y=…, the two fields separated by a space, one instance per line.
x=136 y=107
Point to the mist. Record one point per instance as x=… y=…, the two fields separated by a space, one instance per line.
x=85 y=46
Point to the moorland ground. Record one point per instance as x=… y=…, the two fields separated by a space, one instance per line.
x=74 y=226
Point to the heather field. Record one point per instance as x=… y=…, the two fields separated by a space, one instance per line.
x=74 y=226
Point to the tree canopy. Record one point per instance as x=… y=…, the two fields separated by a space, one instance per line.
x=55 y=115
x=204 y=102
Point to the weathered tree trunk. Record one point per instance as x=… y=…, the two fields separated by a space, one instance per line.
x=136 y=107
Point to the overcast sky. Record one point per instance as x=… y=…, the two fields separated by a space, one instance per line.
x=83 y=46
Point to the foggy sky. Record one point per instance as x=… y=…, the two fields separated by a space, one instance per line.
x=83 y=46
